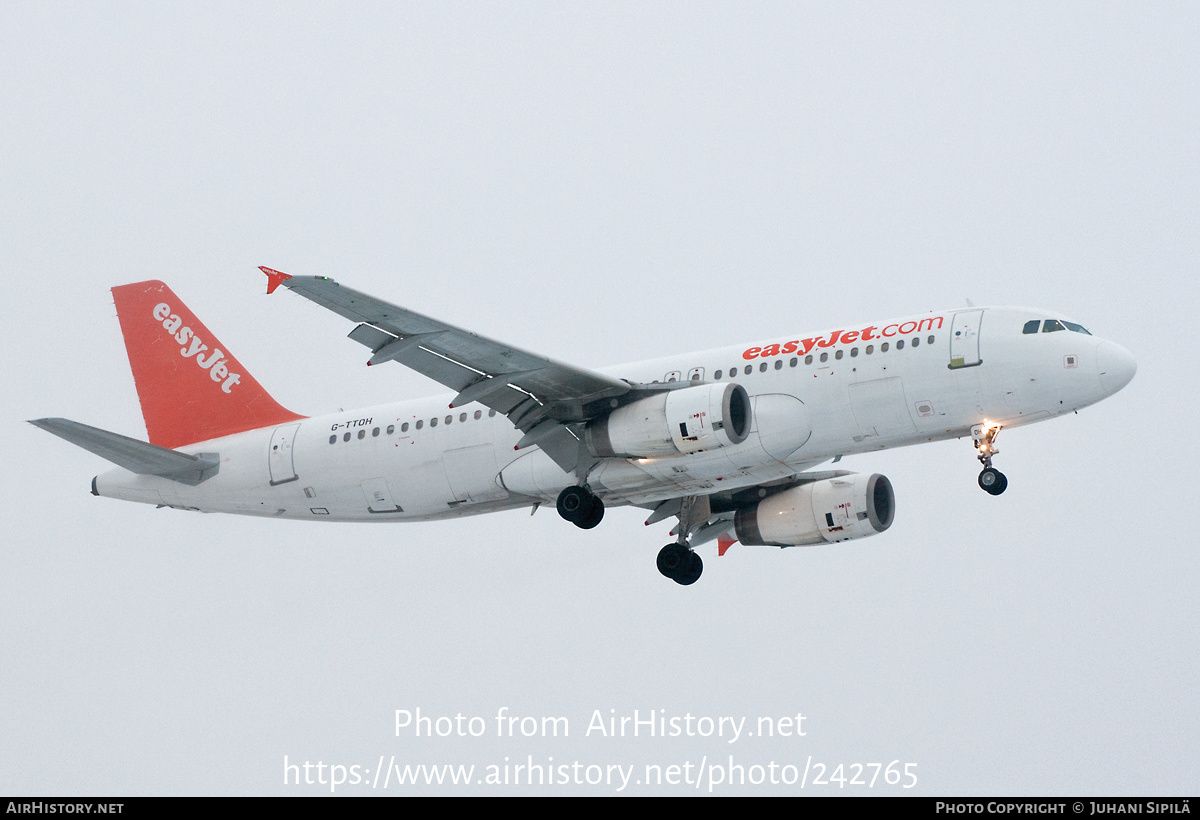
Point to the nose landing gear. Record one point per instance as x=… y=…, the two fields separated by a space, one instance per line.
x=581 y=507
x=991 y=480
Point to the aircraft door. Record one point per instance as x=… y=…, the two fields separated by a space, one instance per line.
x=964 y=339
x=280 y=460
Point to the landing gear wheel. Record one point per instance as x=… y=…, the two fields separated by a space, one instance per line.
x=581 y=507
x=671 y=558
x=592 y=516
x=692 y=568
x=680 y=564
x=993 y=481
x=573 y=502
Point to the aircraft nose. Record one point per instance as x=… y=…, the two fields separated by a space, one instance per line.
x=1115 y=366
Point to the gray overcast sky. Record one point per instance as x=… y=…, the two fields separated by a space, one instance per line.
x=601 y=182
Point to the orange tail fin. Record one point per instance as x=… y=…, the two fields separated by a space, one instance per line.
x=191 y=388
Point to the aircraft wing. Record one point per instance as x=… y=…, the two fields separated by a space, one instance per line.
x=545 y=399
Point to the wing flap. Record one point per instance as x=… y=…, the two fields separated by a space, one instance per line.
x=371 y=336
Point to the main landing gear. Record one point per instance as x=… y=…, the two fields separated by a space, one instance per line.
x=991 y=480
x=581 y=507
x=680 y=564
x=678 y=561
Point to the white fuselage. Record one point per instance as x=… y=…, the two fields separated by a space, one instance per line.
x=419 y=460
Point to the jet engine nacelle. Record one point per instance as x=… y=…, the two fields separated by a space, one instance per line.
x=836 y=509
x=686 y=420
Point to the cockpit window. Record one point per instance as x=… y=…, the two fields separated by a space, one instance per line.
x=1052 y=325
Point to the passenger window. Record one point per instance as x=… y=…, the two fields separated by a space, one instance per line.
x=491 y=413
x=900 y=345
x=795 y=361
x=391 y=429
x=1031 y=326
x=346 y=437
x=749 y=369
x=362 y=434
x=462 y=416
x=824 y=357
x=404 y=427
x=762 y=368
x=838 y=355
x=883 y=348
x=779 y=364
x=929 y=341
x=375 y=433
x=433 y=422
x=1052 y=325
x=853 y=352
x=916 y=342
x=333 y=439
x=870 y=349
x=420 y=423
x=808 y=359
x=717 y=375
x=449 y=419
x=478 y=413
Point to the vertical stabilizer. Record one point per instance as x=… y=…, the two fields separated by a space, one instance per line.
x=191 y=388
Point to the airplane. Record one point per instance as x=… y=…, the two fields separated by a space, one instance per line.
x=726 y=441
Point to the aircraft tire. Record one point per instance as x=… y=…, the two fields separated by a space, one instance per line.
x=671 y=559
x=993 y=481
x=680 y=564
x=690 y=572
x=573 y=503
x=593 y=516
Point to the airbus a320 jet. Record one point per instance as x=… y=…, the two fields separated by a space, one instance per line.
x=735 y=443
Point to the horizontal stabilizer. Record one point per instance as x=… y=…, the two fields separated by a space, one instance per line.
x=135 y=456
